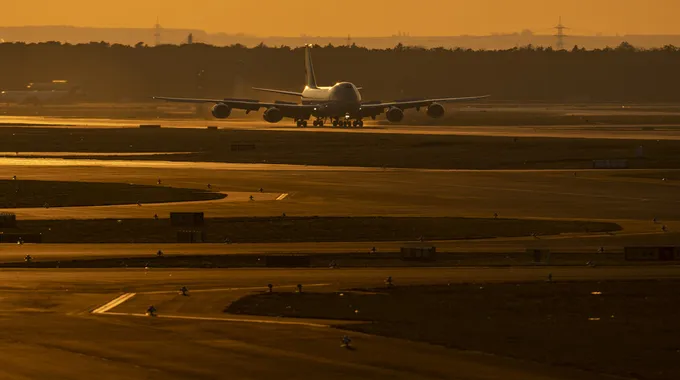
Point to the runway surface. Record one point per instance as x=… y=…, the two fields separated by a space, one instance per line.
x=592 y=131
x=46 y=319
x=50 y=332
x=631 y=199
x=597 y=195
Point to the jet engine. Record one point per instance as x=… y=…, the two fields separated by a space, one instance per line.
x=395 y=114
x=272 y=115
x=435 y=110
x=221 y=111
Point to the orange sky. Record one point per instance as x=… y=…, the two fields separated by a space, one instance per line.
x=356 y=17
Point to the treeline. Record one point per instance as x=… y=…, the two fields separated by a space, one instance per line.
x=117 y=72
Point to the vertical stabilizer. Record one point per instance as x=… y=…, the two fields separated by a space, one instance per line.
x=310 y=80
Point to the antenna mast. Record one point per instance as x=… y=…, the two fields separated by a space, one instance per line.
x=157 y=33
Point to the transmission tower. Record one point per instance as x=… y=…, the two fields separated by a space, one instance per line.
x=157 y=32
x=560 y=34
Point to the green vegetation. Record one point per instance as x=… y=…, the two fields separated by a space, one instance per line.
x=22 y=194
x=117 y=72
x=303 y=229
x=628 y=330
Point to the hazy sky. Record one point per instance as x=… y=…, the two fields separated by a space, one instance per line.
x=356 y=17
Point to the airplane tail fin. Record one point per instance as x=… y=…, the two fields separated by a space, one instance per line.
x=310 y=80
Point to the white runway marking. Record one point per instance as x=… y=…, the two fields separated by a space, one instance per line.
x=232 y=289
x=282 y=197
x=245 y=320
x=106 y=307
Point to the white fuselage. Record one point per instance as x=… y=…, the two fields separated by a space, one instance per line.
x=334 y=101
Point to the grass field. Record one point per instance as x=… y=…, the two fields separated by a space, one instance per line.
x=21 y=193
x=627 y=329
x=345 y=149
x=301 y=229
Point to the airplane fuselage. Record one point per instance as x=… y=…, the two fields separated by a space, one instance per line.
x=342 y=99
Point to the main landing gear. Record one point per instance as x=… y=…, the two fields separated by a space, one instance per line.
x=348 y=123
x=337 y=122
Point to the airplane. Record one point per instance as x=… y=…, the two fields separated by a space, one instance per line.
x=341 y=103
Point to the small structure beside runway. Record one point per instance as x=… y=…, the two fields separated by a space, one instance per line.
x=8 y=220
x=187 y=219
x=419 y=252
x=652 y=253
x=539 y=256
x=191 y=237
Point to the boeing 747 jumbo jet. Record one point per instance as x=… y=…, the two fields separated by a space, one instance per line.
x=340 y=103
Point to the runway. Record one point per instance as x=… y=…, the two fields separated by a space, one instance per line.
x=596 y=195
x=631 y=199
x=577 y=130
x=46 y=313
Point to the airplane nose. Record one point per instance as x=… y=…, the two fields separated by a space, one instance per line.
x=344 y=94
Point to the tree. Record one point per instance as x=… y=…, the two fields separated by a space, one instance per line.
x=625 y=46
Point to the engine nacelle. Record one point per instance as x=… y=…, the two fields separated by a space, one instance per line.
x=221 y=111
x=272 y=115
x=395 y=114
x=435 y=110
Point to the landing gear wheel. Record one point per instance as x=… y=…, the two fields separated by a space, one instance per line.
x=360 y=123
x=315 y=123
x=304 y=123
x=299 y=123
x=335 y=123
x=321 y=123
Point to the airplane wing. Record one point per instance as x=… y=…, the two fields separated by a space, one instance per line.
x=291 y=93
x=417 y=103
x=292 y=110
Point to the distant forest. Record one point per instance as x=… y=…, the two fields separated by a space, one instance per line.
x=117 y=72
